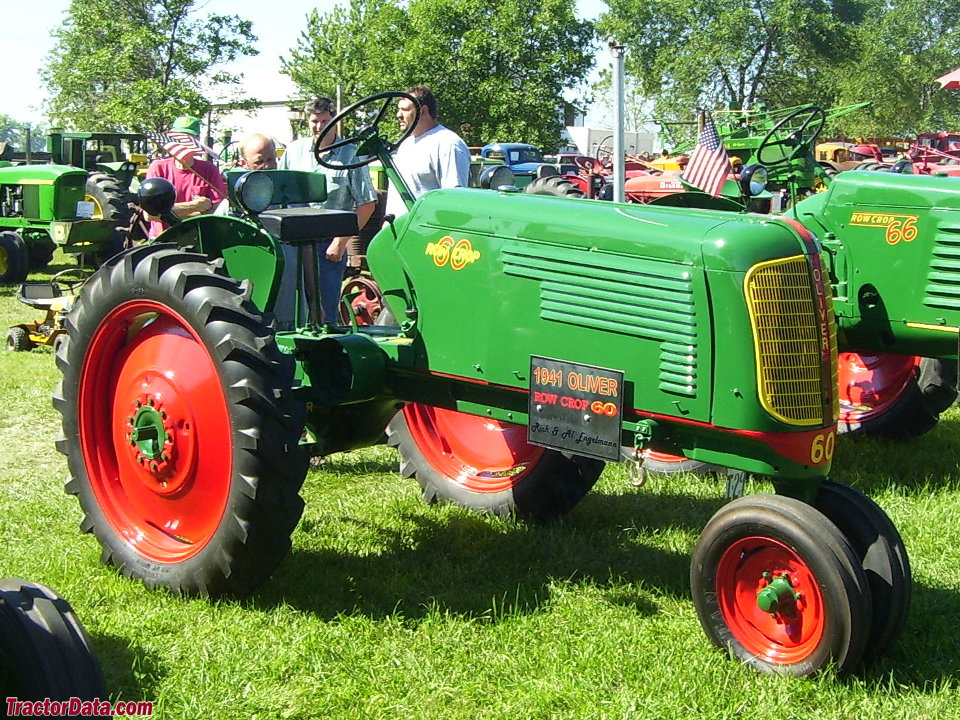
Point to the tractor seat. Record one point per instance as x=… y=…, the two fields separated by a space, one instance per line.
x=303 y=225
x=39 y=294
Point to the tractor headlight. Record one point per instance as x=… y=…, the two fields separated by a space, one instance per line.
x=753 y=180
x=254 y=191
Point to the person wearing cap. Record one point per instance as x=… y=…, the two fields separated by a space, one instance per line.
x=188 y=124
x=346 y=190
x=197 y=182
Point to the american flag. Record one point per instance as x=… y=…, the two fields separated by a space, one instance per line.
x=709 y=163
x=179 y=145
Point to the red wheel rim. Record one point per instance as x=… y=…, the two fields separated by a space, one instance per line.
x=148 y=375
x=786 y=636
x=366 y=305
x=481 y=454
x=870 y=384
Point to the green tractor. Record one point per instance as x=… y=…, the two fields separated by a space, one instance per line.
x=888 y=240
x=43 y=207
x=76 y=195
x=114 y=162
x=534 y=338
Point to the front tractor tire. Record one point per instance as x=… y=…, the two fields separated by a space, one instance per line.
x=14 y=258
x=179 y=428
x=487 y=466
x=776 y=584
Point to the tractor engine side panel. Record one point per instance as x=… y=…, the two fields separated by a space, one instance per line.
x=894 y=242
x=496 y=279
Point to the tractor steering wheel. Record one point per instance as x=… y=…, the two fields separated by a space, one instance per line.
x=72 y=279
x=801 y=127
x=367 y=133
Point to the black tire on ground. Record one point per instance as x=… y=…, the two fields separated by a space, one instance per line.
x=44 y=651
x=555 y=185
x=938 y=383
x=532 y=483
x=882 y=556
x=917 y=410
x=18 y=340
x=202 y=463
x=760 y=545
x=14 y=259
x=111 y=202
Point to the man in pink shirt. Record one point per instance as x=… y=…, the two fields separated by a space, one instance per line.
x=198 y=183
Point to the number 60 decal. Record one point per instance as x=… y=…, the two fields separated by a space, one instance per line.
x=821 y=449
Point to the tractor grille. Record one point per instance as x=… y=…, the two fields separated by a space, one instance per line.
x=943 y=281
x=795 y=342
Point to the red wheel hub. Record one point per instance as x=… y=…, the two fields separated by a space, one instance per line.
x=155 y=431
x=770 y=600
x=870 y=384
x=482 y=454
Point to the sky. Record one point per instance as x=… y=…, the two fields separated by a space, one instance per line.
x=276 y=24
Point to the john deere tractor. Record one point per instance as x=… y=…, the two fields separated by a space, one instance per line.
x=535 y=338
x=75 y=195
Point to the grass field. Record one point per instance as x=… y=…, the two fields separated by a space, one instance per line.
x=389 y=608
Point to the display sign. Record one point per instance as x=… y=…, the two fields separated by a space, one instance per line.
x=575 y=408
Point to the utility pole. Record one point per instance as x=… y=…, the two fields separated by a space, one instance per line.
x=619 y=176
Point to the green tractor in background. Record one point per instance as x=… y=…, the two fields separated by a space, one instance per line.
x=529 y=340
x=889 y=240
x=76 y=195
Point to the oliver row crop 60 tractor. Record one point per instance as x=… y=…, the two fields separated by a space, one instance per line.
x=535 y=338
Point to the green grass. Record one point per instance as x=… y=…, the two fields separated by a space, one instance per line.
x=388 y=608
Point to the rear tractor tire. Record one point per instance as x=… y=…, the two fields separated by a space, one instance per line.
x=110 y=202
x=486 y=465
x=555 y=185
x=894 y=396
x=181 y=435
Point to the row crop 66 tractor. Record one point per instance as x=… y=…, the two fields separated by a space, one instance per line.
x=537 y=337
x=893 y=258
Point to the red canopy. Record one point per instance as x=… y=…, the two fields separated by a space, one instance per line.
x=950 y=81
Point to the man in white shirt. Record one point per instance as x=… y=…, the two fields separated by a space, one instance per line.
x=432 y=157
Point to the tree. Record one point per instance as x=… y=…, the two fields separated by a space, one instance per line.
x=137 y=64
x=505 y=65
x=901 y=49
x=353 y=48
x=14 y=134
x=732 y=53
